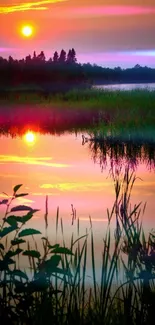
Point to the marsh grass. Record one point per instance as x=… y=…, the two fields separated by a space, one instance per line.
x=57 y=292
x=93 y=110
x=128 y=105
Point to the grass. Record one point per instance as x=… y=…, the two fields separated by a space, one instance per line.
x=57 y=292
x=117 y=112
x=135 y=101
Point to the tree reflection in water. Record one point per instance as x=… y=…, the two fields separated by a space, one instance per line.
x=114 y=151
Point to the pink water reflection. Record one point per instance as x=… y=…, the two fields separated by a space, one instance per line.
x=62 y=168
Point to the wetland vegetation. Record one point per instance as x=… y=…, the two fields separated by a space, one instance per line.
x=56 y=291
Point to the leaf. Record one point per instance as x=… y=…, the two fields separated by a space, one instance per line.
x=38 y=285
x=51 y=264
x=20 y=287
x=54 y=246
x=27 y=217
x=7 y=230
x=19 y=273
x=32 y=253
x=17 y=241
x=62 y=250
x=5 y=263
x=16 y=188
x=11 y=220
x=63 y=271
x=1 y=246
x=13 y=253
x=21 y=194
x=21 y=208
x=4 y=201
x=28 y=232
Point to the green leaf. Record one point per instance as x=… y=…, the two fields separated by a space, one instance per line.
x=38 y=285
x=32 y=253
x=51 y=264
x=16 y=188
x=20 y=287
x=17 y=241
x=11 y=220
x=1 y=246
x=21 y=194
x=13 y=253
x=19 y=273
x=63 y=271
x=27 y=217
x=54 y=246
x=5 y=263
x=62 y=250
x=28 y=232
x=7 y=230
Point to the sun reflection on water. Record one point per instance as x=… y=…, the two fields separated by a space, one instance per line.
x=30 y=137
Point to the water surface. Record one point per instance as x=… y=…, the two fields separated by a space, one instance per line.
x=131 y=86
x=74 y=175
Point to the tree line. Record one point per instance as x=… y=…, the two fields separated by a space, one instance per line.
x=62 y=71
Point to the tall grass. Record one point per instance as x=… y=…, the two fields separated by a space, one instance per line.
x=91 y=98
x=57 y=291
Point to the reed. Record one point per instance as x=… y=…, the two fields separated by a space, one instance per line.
x=57 y=291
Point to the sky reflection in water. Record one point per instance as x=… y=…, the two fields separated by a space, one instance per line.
x=64 y=169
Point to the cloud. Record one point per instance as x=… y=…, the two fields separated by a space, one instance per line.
x=42 y=194
x=121 y=58
x=41 y=161
x=77 y=186
x=36 y=5
x=9 y=49
x=23 y=200
x=112 y=10
x=99 y=11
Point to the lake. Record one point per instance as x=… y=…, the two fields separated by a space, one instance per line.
x=132 y=86
x=73 y=173
x=64 y=169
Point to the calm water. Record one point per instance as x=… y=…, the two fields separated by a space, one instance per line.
x=71 y=174
x=149 y=86
x=64 y=169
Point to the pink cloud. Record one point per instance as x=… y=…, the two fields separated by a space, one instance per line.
x=123 y=59
x=111 y=10
x=9 y=49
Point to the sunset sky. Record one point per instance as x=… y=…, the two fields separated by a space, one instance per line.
x=109 y=33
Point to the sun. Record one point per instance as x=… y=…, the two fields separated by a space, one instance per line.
x=30 y=137
x=27 y=30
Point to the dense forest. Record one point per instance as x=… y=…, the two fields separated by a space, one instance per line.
x=62 y=71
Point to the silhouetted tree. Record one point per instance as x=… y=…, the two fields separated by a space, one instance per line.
x=41 y=56
x=62 y=57
x=55 y=57
x=34 y=55
x=11 y=60
x=28 y=58
x=73 y=55
x=69 y=56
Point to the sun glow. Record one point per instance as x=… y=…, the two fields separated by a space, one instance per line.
x=27 y=30
x=30 y=137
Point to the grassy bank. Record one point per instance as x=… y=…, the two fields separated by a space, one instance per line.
x=57 y=291
x=121 y=109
